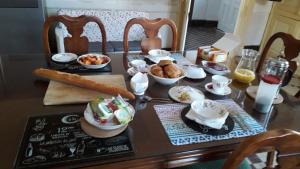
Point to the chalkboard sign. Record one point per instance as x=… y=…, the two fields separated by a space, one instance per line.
x=57 y=140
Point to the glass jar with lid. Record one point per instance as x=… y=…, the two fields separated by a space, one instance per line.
x=245 y=70
x=271 y=78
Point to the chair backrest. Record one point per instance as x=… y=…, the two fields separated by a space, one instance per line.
x=291 y=50
x=151 y=29
x=114 y=21
x=286 y=142
x=76 y=43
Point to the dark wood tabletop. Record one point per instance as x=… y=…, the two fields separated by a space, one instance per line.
x=21 y=95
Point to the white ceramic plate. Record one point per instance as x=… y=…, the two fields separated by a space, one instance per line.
x=157 y=59
x=159 y=53
x=64 y=57
x=93 y=66
x=213 y=71
x=176 y=91
x=109 y=125
x=210 y=89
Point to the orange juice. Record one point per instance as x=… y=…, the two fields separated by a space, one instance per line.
x=244 y=75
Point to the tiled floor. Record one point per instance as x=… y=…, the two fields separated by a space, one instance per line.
x=257 y=161
x=294 y=85
x=201 y=36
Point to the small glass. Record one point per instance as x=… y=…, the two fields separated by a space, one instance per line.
x=271 y=79
x=244 y=71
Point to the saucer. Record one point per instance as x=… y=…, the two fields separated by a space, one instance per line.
x=209 y=88
x=132 y=71
x=64 y=57
x=252 y=91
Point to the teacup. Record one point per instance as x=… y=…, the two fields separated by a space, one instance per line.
x=139 y=83
x=220 y=83
x=138 y=64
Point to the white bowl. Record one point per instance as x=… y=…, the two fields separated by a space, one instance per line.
x=159 y=53
x=98 y=66
x=166 y=81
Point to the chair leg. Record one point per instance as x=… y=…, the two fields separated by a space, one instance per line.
x=270 y=160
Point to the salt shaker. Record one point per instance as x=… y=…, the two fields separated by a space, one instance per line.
x=271 y=78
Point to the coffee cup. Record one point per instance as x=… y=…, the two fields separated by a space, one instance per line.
x=139 y=83
x=220 y=83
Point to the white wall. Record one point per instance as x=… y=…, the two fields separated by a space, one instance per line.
x=155 y=8
x=206 y=10
x=258 y=22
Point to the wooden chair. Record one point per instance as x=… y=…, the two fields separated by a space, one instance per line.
x=291 y=51
x=151 y=28
x=286 y=142
x=75 y=44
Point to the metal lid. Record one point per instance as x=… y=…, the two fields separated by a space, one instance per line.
x=278 y=62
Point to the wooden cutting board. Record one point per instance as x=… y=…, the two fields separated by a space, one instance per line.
x=59 y=93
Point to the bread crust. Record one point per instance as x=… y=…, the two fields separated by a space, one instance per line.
x=172 y=71
x=163 y=63
x=77 y=80
x=157 y=71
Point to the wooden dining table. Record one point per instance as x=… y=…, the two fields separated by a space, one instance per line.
x=21 y=96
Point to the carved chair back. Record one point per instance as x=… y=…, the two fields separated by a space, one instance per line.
x=151 y=28
x=291 y=51
x=286 y=142
x=76 y=43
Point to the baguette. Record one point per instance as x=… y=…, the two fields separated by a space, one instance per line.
x=77 y=80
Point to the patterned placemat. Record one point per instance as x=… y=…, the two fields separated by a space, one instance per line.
x=180 y=134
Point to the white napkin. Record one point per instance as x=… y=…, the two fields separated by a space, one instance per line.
x=216 y=124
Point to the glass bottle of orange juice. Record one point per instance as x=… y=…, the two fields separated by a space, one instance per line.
x=245 y=70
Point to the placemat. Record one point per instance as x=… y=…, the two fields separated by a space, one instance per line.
x=180 y=134
x=58 y=140
x=74 y=67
